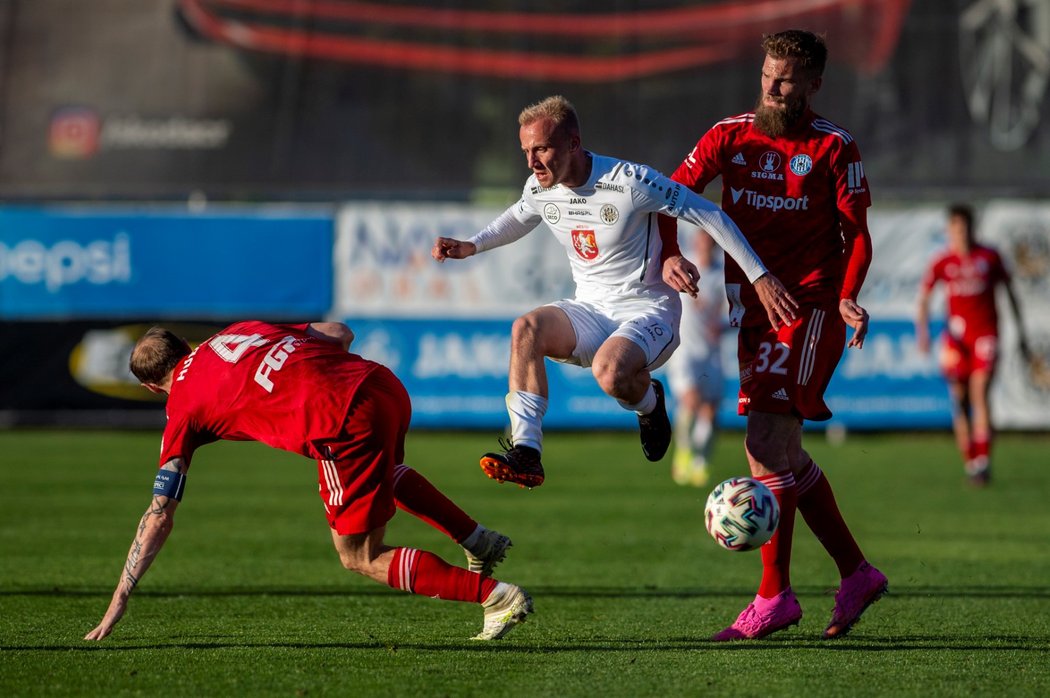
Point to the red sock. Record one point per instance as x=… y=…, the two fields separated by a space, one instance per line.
x=415 y=494
x=816 y=502
x=426 y=574
x=776 y=554
x=981 y=447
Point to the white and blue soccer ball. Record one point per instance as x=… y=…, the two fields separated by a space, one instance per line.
x=741 y=514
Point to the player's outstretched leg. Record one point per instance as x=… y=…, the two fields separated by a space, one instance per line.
x=858 y=591
x=506 y=607
x=763 y=617
x=655 y=427
x=518 y=464
x=421 y=572
x=416 y=495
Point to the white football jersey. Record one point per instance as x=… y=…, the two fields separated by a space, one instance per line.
x=608 y=229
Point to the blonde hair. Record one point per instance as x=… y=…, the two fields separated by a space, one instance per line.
x=555 y=108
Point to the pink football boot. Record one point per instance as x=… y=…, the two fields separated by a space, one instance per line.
x=858 y=591
x=763 y=617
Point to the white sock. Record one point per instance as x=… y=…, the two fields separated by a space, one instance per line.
x=645 y=406
x=682 y=432
x=526 y=412
x=470 y=541
x=702 y=435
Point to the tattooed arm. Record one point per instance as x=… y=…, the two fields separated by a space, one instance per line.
x=153 y=530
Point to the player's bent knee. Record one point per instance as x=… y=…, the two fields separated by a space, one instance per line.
x=528 y=327
x=605 y=375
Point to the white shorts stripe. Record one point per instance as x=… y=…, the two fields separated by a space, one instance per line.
x=809 y=347
x=331 y=478
x=399 y=472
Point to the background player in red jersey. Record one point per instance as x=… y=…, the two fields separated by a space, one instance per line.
x=795 y=184
x=296 y=388
x=970 y=349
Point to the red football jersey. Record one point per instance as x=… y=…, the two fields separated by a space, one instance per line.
x=786 y=194
x=970 y=282
x=260 y=382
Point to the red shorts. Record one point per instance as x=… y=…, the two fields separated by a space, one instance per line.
x=786 y=371
x=961 y=358
x=356 y=479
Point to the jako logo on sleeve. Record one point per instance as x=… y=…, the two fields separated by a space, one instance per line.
x=67 y=262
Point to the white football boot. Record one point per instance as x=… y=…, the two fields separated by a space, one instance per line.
x=505 y=607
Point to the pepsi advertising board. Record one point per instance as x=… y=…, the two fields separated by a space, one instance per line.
x=60 y=263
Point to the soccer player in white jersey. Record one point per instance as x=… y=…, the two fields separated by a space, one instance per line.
x=694 y=373
x=623 y=320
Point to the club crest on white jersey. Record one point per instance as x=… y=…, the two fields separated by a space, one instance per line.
x=585 y=243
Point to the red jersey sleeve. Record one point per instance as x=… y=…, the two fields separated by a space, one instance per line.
x=668 y=237
x=932 y=276
x=853 y=198
x=695 y=172
x=857 y=248
x=851 y=184
x=703 y=164
x=180 y=440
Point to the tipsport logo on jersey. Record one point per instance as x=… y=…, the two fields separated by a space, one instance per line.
x=773 y=203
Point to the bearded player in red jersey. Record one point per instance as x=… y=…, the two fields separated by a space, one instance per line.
x=296 y=388
x=794 y=183
x=970 y=350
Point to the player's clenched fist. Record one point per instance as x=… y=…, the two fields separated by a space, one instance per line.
x=448 y=248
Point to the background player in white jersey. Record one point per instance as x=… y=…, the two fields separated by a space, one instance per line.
x=623 y=320
x=694 y=372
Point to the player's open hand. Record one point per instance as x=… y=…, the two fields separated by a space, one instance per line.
x=115 y=612
x=448 y=248
x=780 y=305
x=681 y=275
x=857 y=318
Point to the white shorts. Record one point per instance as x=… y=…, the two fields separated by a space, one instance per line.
x=654 y=329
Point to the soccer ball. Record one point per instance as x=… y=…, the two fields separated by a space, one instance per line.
x=741 y=514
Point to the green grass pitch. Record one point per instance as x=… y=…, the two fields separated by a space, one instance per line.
x=248 y=598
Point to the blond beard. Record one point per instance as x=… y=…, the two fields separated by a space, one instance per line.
x=776 y=122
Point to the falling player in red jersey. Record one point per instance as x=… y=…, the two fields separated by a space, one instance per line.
x=794 y=183
x=970 y=349
x=296 y=388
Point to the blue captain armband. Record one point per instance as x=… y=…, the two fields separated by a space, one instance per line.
x=169 y=484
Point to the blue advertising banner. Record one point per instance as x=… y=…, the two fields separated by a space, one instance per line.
x=62 y=263
x=456 y=373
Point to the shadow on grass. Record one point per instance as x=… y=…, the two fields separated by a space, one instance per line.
x=896 y=591
x=923 y=643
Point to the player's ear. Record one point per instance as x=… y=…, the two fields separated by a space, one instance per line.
x=153 y=388
x=815 y=83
